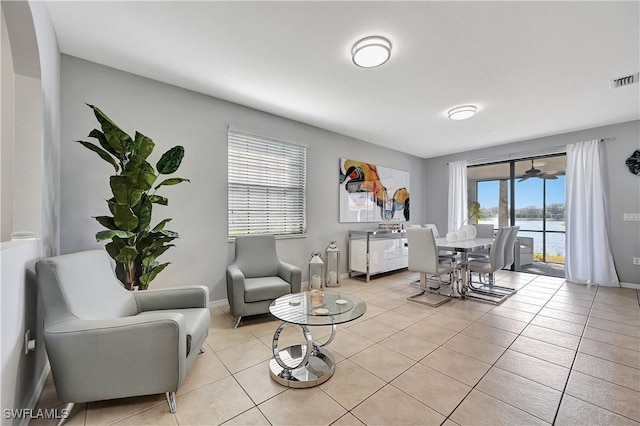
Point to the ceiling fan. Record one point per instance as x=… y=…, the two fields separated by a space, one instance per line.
x=537 y=173
x=532 y=172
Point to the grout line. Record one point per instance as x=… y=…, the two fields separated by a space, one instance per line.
x=564 y=389
x=496 y=361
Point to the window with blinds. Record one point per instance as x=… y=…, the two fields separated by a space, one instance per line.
x=266 y=185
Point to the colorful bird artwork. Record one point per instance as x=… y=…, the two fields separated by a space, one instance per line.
x=363 y=178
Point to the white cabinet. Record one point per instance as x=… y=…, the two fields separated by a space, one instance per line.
x=374 y=252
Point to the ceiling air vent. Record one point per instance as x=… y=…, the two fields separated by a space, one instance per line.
x=614 y=83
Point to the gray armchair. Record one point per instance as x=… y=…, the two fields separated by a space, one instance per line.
x=257 y=277
x=105 y=342
x=523 y=252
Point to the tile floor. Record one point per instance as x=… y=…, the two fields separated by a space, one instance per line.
x=554 y=353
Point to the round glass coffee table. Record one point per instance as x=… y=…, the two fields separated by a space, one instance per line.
x=309 y=364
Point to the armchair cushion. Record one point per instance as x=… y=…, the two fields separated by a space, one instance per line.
x=86 y=287
x=265 y=288
x=259 y=257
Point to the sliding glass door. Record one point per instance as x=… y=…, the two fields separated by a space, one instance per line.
x=540 y=205
x=529 y=193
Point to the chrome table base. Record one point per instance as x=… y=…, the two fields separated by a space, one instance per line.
x=318 y=368
x=302 y=366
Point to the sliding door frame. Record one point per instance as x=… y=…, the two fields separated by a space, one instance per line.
x=512 y=196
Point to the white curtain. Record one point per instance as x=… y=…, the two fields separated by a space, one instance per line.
x=589 y=259
x=457 y=194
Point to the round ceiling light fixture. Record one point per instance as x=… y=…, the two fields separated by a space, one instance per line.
x=462 y=112
x=371 y=52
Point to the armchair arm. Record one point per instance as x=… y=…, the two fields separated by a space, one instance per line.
x=291 y=274
x=172 y=298
x=235 y=289
x=115 y=358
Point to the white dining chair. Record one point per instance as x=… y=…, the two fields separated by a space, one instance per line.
x=444 y=255
x=483 y=230
x=423 y=258
x=509 y=247
x=496 y=259
x=496 y=262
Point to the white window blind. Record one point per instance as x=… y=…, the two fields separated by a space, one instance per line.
x=266 y=185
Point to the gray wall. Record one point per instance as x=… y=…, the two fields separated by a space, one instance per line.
x=35 y=199
x=50 y=156
x=7 y=77
x=623 y=187
x=171 y=116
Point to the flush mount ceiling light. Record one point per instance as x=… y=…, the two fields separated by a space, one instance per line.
x=371 y=52
x=462 y=112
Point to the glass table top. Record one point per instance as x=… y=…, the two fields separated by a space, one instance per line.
x=336 y=308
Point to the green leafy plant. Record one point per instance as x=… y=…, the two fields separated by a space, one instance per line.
x=134 y=245
x=474 y=210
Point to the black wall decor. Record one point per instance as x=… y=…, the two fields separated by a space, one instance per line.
x=633 y=162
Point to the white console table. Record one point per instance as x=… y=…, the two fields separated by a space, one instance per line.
x=377 y=251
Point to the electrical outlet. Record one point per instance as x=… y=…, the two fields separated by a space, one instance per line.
x=636 y=260
x=29 y=344
x=27 y=337
x=631 y=217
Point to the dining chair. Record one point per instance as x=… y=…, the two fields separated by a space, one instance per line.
x=496 y=262
x=444 y=255
x=424 y=258
x=509 y=247
x=496 y=259
x=483 y=230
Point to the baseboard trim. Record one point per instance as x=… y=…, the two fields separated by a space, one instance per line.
x=35 y=397
x=218 y=303
x=630 y=285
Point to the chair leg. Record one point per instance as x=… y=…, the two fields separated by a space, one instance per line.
x=67 y=408
x=171 y=400
x=238 y=318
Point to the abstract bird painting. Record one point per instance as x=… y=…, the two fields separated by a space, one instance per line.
x=371 y=193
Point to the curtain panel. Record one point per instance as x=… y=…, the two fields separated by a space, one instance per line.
x=589 y=259
x=457 y=194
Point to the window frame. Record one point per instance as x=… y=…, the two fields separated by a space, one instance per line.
x=262 y=146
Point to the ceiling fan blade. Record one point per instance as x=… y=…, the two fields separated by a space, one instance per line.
x=523 y=178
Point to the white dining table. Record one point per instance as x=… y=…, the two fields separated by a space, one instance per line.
x=463 y=247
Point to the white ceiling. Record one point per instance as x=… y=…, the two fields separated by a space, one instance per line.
x=532 y=68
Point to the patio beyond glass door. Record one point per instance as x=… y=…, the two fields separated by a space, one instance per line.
x=529 y=193
x=540 y=206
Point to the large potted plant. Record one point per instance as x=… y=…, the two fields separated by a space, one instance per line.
x=133 y=243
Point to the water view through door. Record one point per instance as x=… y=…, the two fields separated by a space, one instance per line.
x=529 y=193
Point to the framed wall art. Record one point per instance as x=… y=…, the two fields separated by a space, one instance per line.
x=372 y=193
